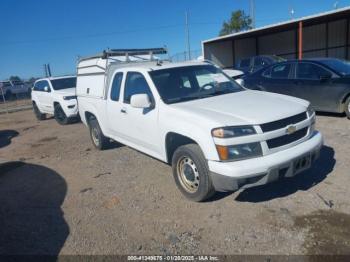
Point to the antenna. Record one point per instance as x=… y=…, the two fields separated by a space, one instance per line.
x=291 y=12
x=335 y=5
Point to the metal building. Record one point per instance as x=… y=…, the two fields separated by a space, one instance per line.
x=321 y=35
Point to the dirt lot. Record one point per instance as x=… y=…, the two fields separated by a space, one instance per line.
x=64 y=197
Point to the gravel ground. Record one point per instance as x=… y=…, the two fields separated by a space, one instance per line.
x=61 y=196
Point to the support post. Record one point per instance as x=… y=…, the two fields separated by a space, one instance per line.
x=300 y=45
x=347 y=39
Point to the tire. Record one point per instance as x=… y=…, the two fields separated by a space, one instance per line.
x=97 y=137
x=347 y=107
x=196 y=185
x=60 y=116
x=37 y=113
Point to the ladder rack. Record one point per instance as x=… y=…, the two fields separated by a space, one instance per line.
x=128 y=53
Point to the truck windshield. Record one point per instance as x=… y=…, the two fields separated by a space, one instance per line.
x=192 y=82
x=63 y=83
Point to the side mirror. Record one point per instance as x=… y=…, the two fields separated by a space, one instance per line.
x=46 y=89
x=140 y=101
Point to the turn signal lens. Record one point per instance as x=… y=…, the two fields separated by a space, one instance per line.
x=223 y=152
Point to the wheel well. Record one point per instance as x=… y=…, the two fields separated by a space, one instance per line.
x=173 y=141
x=89 y=116
x=345 y=98
x=55 y=103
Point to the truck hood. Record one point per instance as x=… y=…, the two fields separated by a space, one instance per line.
x=244 y=108
x=67 y=91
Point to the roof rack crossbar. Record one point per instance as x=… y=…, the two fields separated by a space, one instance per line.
x=129 y=52
x=133 y=52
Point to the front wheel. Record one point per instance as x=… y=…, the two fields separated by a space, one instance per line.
x=60 y=116
x=347 y=108
x=37 y=113
x=191 y=173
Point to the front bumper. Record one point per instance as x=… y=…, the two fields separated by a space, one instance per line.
x=70 y=108
x=230 y=176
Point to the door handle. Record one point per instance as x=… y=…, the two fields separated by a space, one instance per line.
x=123 y=110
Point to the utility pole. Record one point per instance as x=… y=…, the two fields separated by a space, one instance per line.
x=252 y=12
x=187 y=36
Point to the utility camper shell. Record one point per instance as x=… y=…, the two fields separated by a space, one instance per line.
x=93 y=72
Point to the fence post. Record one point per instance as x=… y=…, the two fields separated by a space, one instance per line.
x=4 y=100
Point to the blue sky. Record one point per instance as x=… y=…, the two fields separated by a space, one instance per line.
x=35 y=32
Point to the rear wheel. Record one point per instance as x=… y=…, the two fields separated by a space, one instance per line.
x=60 y=116
x=97 y=137
x=347 y=107
x=191 y=173
x=37 y=113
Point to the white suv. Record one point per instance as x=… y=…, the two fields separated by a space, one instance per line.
x=56 y=96
x=217 y=135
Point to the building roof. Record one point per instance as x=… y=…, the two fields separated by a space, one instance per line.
x=291 y=22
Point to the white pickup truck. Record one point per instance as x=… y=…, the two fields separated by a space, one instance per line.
x=10 y=89
x=217 y=135
x=55 y=96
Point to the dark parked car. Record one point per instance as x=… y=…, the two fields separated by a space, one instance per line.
x=253 y=64
x=325 y=82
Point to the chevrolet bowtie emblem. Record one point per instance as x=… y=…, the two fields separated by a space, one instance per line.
x=291 y=129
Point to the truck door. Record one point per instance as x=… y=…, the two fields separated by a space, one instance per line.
x=114 y=105
x=138 y=125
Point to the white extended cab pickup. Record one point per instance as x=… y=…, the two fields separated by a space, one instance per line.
x=56 y=96
x=217 y=135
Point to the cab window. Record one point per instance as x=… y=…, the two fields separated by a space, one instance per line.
x=135 y=84
x=115 y=89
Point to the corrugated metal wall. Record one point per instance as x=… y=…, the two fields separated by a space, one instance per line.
x=220 y=53
x=320 y=40
x=282 y=43
x=244 y=48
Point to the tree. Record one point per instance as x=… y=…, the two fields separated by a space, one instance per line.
x=239 y=21
x=15 y=78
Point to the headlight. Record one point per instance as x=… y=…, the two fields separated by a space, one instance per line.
x=310 y=111
x=69 y=97
x=239 y=152
x=233 y=131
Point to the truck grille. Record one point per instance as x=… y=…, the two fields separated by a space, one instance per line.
x=283 y=122
x=287 y=139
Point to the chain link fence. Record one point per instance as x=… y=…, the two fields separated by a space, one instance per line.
x=14 y=98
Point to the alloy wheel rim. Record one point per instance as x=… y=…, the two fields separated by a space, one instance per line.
x=188 y=174
x=94 y=135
